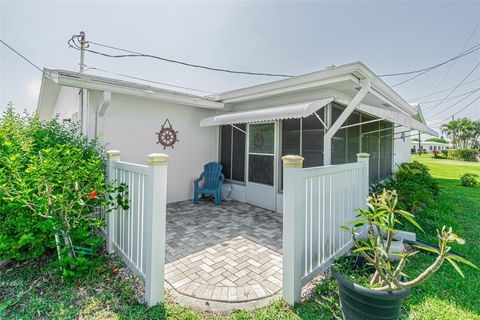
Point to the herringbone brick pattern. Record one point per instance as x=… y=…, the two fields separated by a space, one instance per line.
x=227 y=253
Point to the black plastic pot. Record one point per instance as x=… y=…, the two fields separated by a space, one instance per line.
x=360 y=303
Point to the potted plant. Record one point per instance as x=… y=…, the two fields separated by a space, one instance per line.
x=372 y=235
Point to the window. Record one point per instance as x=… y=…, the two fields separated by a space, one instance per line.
x=232 y=152
x=304 y=137
x=375 y=138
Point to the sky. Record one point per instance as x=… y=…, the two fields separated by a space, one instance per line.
x=275 y=37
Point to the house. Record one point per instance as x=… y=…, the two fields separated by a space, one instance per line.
x=297 y=154
x=429 y=146
x=326 y=116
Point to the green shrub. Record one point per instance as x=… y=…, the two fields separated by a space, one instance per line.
x=444 y=153
x=464 y=154
x=469 y=180
x=52 y=184
x=414 y=185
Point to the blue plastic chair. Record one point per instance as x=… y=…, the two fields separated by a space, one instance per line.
x=212 y=182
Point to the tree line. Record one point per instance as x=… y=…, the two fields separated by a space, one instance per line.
x=464 y=133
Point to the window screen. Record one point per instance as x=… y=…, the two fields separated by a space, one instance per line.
x=232 y=152
x=386 y=149
x=226 y=151
x=238 y=156
x=312 y=141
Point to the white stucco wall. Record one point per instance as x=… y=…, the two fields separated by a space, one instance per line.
x=130 y=125
x=401 y=148
x=67 y=103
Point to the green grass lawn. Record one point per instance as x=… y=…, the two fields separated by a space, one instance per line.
x=446 y=295
x=32 y=290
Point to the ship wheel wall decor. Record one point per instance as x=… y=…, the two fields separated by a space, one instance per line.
x=167 y=137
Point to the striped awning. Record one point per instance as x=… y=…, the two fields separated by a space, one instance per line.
x=289 y=111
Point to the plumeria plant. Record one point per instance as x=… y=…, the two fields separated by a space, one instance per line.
x=379 y=222
x=69 y=190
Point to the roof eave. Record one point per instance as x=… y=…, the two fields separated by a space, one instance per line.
x=76 y=82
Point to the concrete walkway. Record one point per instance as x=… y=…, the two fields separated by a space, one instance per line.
x=221 y=258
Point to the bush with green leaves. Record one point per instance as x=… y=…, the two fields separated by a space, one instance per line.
x=469 y=180
x=464 y=154
x=52 y=187
x=414 y=184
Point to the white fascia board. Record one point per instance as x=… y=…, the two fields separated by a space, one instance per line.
x=355 y=71
x=85 y=84
x=292 y=87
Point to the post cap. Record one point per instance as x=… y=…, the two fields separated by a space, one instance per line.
x=363 y=155
x=113 y=154
x=158 y=159
x=291 y=161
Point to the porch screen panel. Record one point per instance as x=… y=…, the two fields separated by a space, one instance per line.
x=386 y=149
x=238 y=156
x=232 y=152
x=226 y=151
x=346 y=142
x=339 y=148
x=312 y=141
x=353 y=138
x=291 y=137
x=370 y=144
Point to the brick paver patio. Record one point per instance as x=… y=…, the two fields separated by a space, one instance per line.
x=229 y=253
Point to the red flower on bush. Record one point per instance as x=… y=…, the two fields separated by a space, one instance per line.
x=93 y=194
x=435 y=152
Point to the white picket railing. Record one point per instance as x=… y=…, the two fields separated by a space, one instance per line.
x=316 y=202
x=138 y=233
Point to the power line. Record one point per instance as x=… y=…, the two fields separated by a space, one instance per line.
x=453 y=105
x=449 y=98
x=427 y=69
x=453 y=90
x=453 y=63
x=22 y=56
x=446 y=89
x=465 y=107
x=146 y=80
x=132 y=54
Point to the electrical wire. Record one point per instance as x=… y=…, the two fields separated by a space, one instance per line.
x=453 y=105
x=22 y=56
x=146 y=80
x=465 y=107
x=458 y=56
x=72 y=42
x=453 y=63
x=455 y=88
x=449 y=98
x=443 y=90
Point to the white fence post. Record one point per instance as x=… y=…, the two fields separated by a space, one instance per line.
x=155 y=220
x=293 y=228
x=112 y=157
x=365 y=157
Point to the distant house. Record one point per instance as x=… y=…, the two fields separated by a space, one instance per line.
x=429 y=146
x=327 y=117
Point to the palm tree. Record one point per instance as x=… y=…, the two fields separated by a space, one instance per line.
x=452 y=129
x=466 y=131
x=476 y=134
